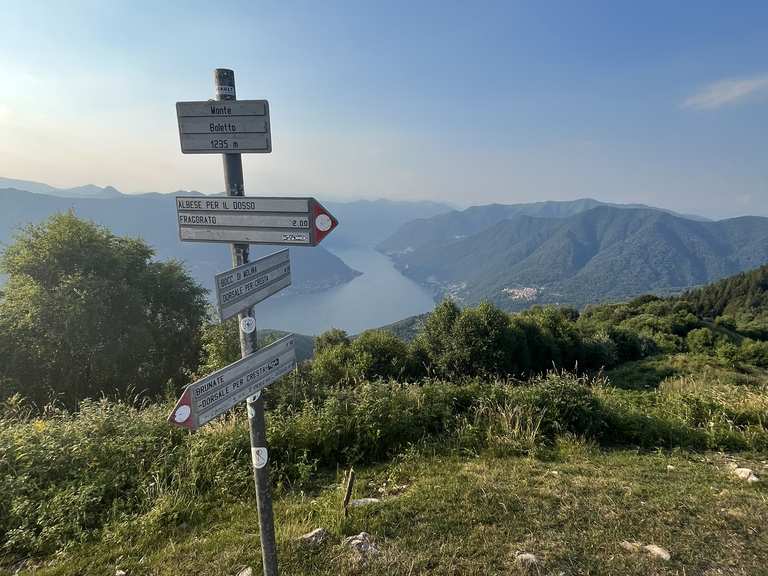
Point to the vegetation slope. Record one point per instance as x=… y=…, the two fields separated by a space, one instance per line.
x=550 y=432
x=605 y=253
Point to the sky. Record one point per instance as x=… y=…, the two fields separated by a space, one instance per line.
x=663 y=103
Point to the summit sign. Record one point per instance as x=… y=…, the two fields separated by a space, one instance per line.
x=224 y=127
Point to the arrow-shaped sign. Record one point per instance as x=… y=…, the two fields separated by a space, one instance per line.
x=213 y=395
x=252 y=282
x=253 y=220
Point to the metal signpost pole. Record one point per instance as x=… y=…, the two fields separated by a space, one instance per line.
x=224 y=81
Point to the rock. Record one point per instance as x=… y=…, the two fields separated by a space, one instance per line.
x=315 y=538
x=363 y=502
x=119 y=572
x=247 y=571
x=631 y=546
x=657 y=551
x=362 y=543
x=746 y=474
x=670 y=467
x=526 y=559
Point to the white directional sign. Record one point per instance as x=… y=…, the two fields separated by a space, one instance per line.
x=253 y=220
x=221 y=126
x=252 y=282
x=213 y=395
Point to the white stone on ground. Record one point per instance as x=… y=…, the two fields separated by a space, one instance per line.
x=363 y=502
x=746 y=474
x=317 y=537
x=362 y=543
x=657 y=551
x=652 y=549
x=526 y=559
x=630 y=546
x=247 y=571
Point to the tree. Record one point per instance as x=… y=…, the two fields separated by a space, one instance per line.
x=379 y=354
x=484 y=343
x=433 y=345
x=329 y=338
x=86 y=313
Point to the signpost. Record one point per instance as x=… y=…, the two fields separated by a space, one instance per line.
x=249 y=284
x=216 y=127
x=209 y=397
x=256 y=220
x=231 y=127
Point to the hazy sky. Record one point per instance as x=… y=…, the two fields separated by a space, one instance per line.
x=664 y=103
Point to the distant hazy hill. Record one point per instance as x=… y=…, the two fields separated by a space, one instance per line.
x=87 y=191
x=368 y=222
x=456 y=224
x=605 y=253
x=153 y=218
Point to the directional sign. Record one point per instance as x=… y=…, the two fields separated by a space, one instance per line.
x=221 y=126
x=253 y=220
x=252 y=282
x=213 y=395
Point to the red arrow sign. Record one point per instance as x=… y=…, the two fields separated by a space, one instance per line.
x=253 y=220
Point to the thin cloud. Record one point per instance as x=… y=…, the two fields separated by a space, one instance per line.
x=727 y=92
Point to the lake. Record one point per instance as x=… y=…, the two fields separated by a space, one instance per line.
x=380 y=296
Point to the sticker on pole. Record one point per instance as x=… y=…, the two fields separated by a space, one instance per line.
x=247 y=325
x=259 y=456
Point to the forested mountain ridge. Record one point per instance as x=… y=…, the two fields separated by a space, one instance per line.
x=604 y=253
x=742 y=300
x=445 y=228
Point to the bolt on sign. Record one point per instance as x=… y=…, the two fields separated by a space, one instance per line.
x=253 y=220
x=221 y=126
x=252 y=282
x=209 y=397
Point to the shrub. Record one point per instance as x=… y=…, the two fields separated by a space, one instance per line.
x=379 y=354
x=568 y=404
x=754 y=353
x=701 y=341
x=329 y=338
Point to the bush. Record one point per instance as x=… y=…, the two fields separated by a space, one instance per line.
x=568 y=404
x=380 y=354
x=701 y=341
x=754 y=353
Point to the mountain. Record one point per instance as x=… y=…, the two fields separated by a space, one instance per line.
x=445 y=228
x=87 y=191
x=368 y=222
x=365 y=222
x=604 y=253
x=153 y=218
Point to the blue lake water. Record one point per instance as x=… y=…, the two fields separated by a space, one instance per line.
x=380 y=296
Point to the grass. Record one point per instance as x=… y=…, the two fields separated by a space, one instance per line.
x=470 y=515
x=492 y=469
x=648 y=373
